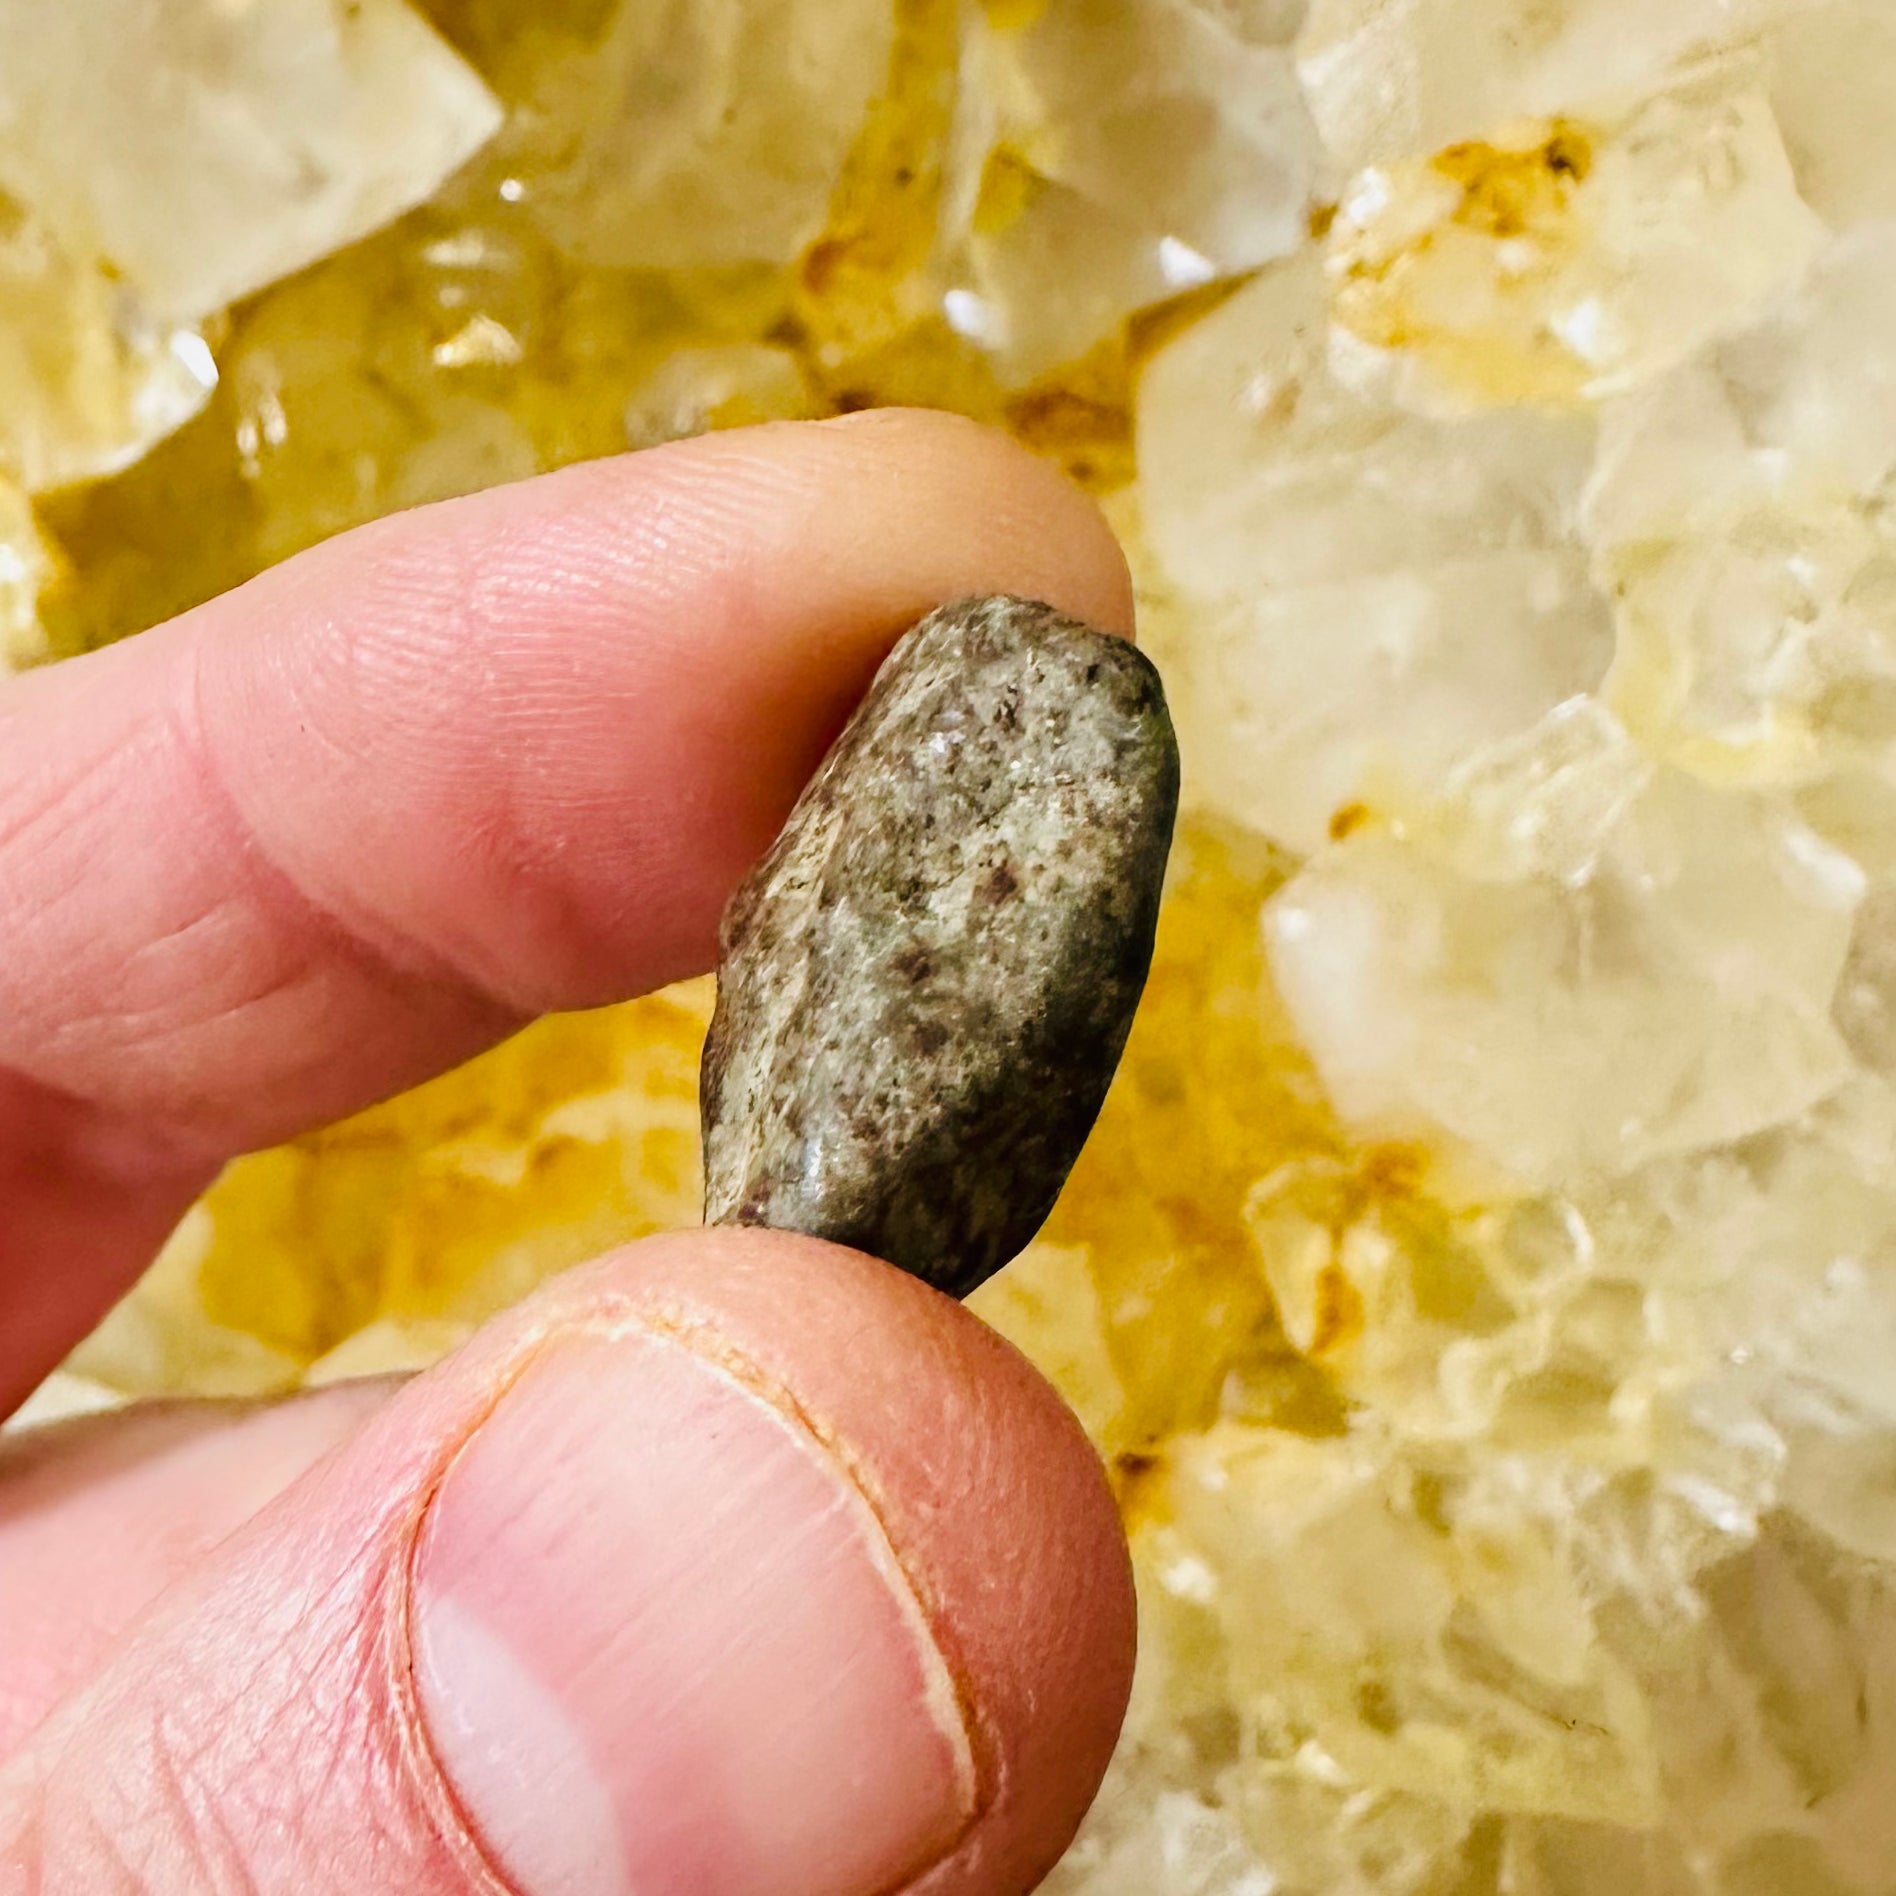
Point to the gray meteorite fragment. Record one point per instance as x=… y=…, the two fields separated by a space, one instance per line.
x=925 y=985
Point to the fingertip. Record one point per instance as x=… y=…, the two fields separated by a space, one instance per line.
x=1064 y=549
x=500 y=755
x=587 y=701
x=990 y=1494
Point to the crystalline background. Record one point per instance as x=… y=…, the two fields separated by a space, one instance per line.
x=1483 y=1281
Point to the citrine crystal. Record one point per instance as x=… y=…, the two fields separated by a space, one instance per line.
x=1482 y=1278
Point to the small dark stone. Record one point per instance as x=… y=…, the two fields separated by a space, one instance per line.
x=927 y=982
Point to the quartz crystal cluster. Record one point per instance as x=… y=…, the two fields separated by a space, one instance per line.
x=159 y=163
x=1482 y=1281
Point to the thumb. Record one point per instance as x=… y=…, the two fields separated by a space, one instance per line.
x=736 y=1565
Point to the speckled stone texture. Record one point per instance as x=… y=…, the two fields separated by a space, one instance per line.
x=927 y=981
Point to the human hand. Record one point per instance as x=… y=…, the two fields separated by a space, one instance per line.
x=734 y=1564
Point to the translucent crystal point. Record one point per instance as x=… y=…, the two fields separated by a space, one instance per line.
x=158 y=163
x=1110 y=153
x=1183 y=118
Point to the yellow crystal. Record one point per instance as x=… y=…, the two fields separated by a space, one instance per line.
x=708 y=134
x=88 y=378
x=421 y=1217
x=696 y=391
x=28 y=565
x=1480 y=1281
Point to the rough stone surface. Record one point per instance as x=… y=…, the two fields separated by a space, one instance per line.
x=927 y=981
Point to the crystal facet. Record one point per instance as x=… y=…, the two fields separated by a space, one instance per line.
x=204 y=150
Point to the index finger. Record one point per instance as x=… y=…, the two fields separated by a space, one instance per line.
x=336 y=831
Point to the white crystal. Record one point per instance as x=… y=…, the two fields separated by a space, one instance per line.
x=1833 y=74
x=1544 y=804
x=1372 y=596
x=1555 y=263
x=1181 y=119
x=157 y=163
x=1184 y=1846
x=1372 y=1643
x=1048 y=271
x=1257 y=467
x=244 y=141
x=1389 y=79
x=1108 y=155
x=1674 y=995
x=1740 y=515
x=1340 y=701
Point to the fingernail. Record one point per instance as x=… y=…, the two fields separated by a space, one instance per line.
x=662 y=1643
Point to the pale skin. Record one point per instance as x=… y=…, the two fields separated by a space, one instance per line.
x=733 y=1564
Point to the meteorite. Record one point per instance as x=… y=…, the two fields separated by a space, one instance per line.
x=926 y=983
